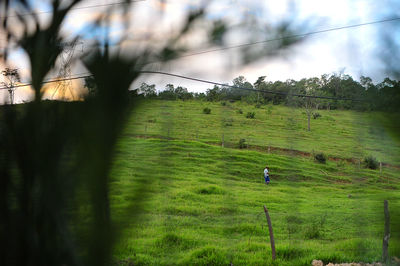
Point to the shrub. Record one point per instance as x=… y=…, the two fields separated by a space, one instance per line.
x=223 y=103
x=269 y=109
x=312 y=231
x=172 y=240
x=206 y=110
x=293 y=224
x=210 y=190
x=316 y=115
x=169 y=240
x=340 y=164
x=228 y=122
x=242 y=144
x=320 y=157
x=290 y=253
x=240 y=111
x=371 y=162
x=208 y=255
x=315 y=229
x=250 y=115
x=258 y=105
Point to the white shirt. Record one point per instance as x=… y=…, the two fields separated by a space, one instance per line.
x=265 y=171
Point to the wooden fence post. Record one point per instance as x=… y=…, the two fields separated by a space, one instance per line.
x=386 y=236
x=271 y=234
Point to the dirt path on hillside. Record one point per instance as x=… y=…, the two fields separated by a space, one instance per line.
x=266 y=149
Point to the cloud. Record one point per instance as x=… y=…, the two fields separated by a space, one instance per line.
x=152 y=22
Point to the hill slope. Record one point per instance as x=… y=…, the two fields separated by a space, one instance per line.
x=345 y=134
x=202 y=204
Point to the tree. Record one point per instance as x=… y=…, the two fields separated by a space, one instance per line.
x=310 y=103
x=90 y=85
x=12 y=78
x=148 y=91
x=280 y=87
x=309 y=87
x=309 y=106
x=213 y=94
x=199 y=95
x=389 y=95
x=170 y=87
x=168 y=93
x=182 y=93
x=237 y=93
x=260 y=85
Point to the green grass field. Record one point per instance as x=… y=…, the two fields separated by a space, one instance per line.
x=202 y=204
x=337 y=133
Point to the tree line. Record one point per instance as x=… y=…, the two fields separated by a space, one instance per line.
x=367 y=95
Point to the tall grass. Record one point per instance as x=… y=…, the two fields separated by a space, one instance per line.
x=208 y=210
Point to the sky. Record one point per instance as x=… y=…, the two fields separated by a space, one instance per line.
x=354 y=51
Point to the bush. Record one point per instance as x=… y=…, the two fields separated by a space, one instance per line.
x=290 y=253
x=172 y=240
x=223 y=103
x=210 y=190
x=258 y=105
x=169 y=240
x=269 y=109
x=316 y=115
x=293 y=224
x=250 y=115
x=371 y=162
x=206 y=110
x=316 y=228
x=228 y=122
x=208 y=255
x=242 y=144
x=320 y=157
x=240 y=111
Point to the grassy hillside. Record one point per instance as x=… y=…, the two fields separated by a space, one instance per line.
x=202 y=204
x=345 y=134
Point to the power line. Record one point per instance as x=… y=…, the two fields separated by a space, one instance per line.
x=203 y=81
x=74 y=8
x=291 y=37
x=47 y=81
x=281 y=38
x=244 y=44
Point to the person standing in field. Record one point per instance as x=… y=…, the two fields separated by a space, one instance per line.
x=266 y=175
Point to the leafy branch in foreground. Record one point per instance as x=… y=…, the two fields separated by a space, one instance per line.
x=56 y=157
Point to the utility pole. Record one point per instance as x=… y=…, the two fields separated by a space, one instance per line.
x=64 y=74
x=12 y=76
x=271 y=234
x=386 y=236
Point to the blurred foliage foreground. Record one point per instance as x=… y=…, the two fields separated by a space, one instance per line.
x=55 y=155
